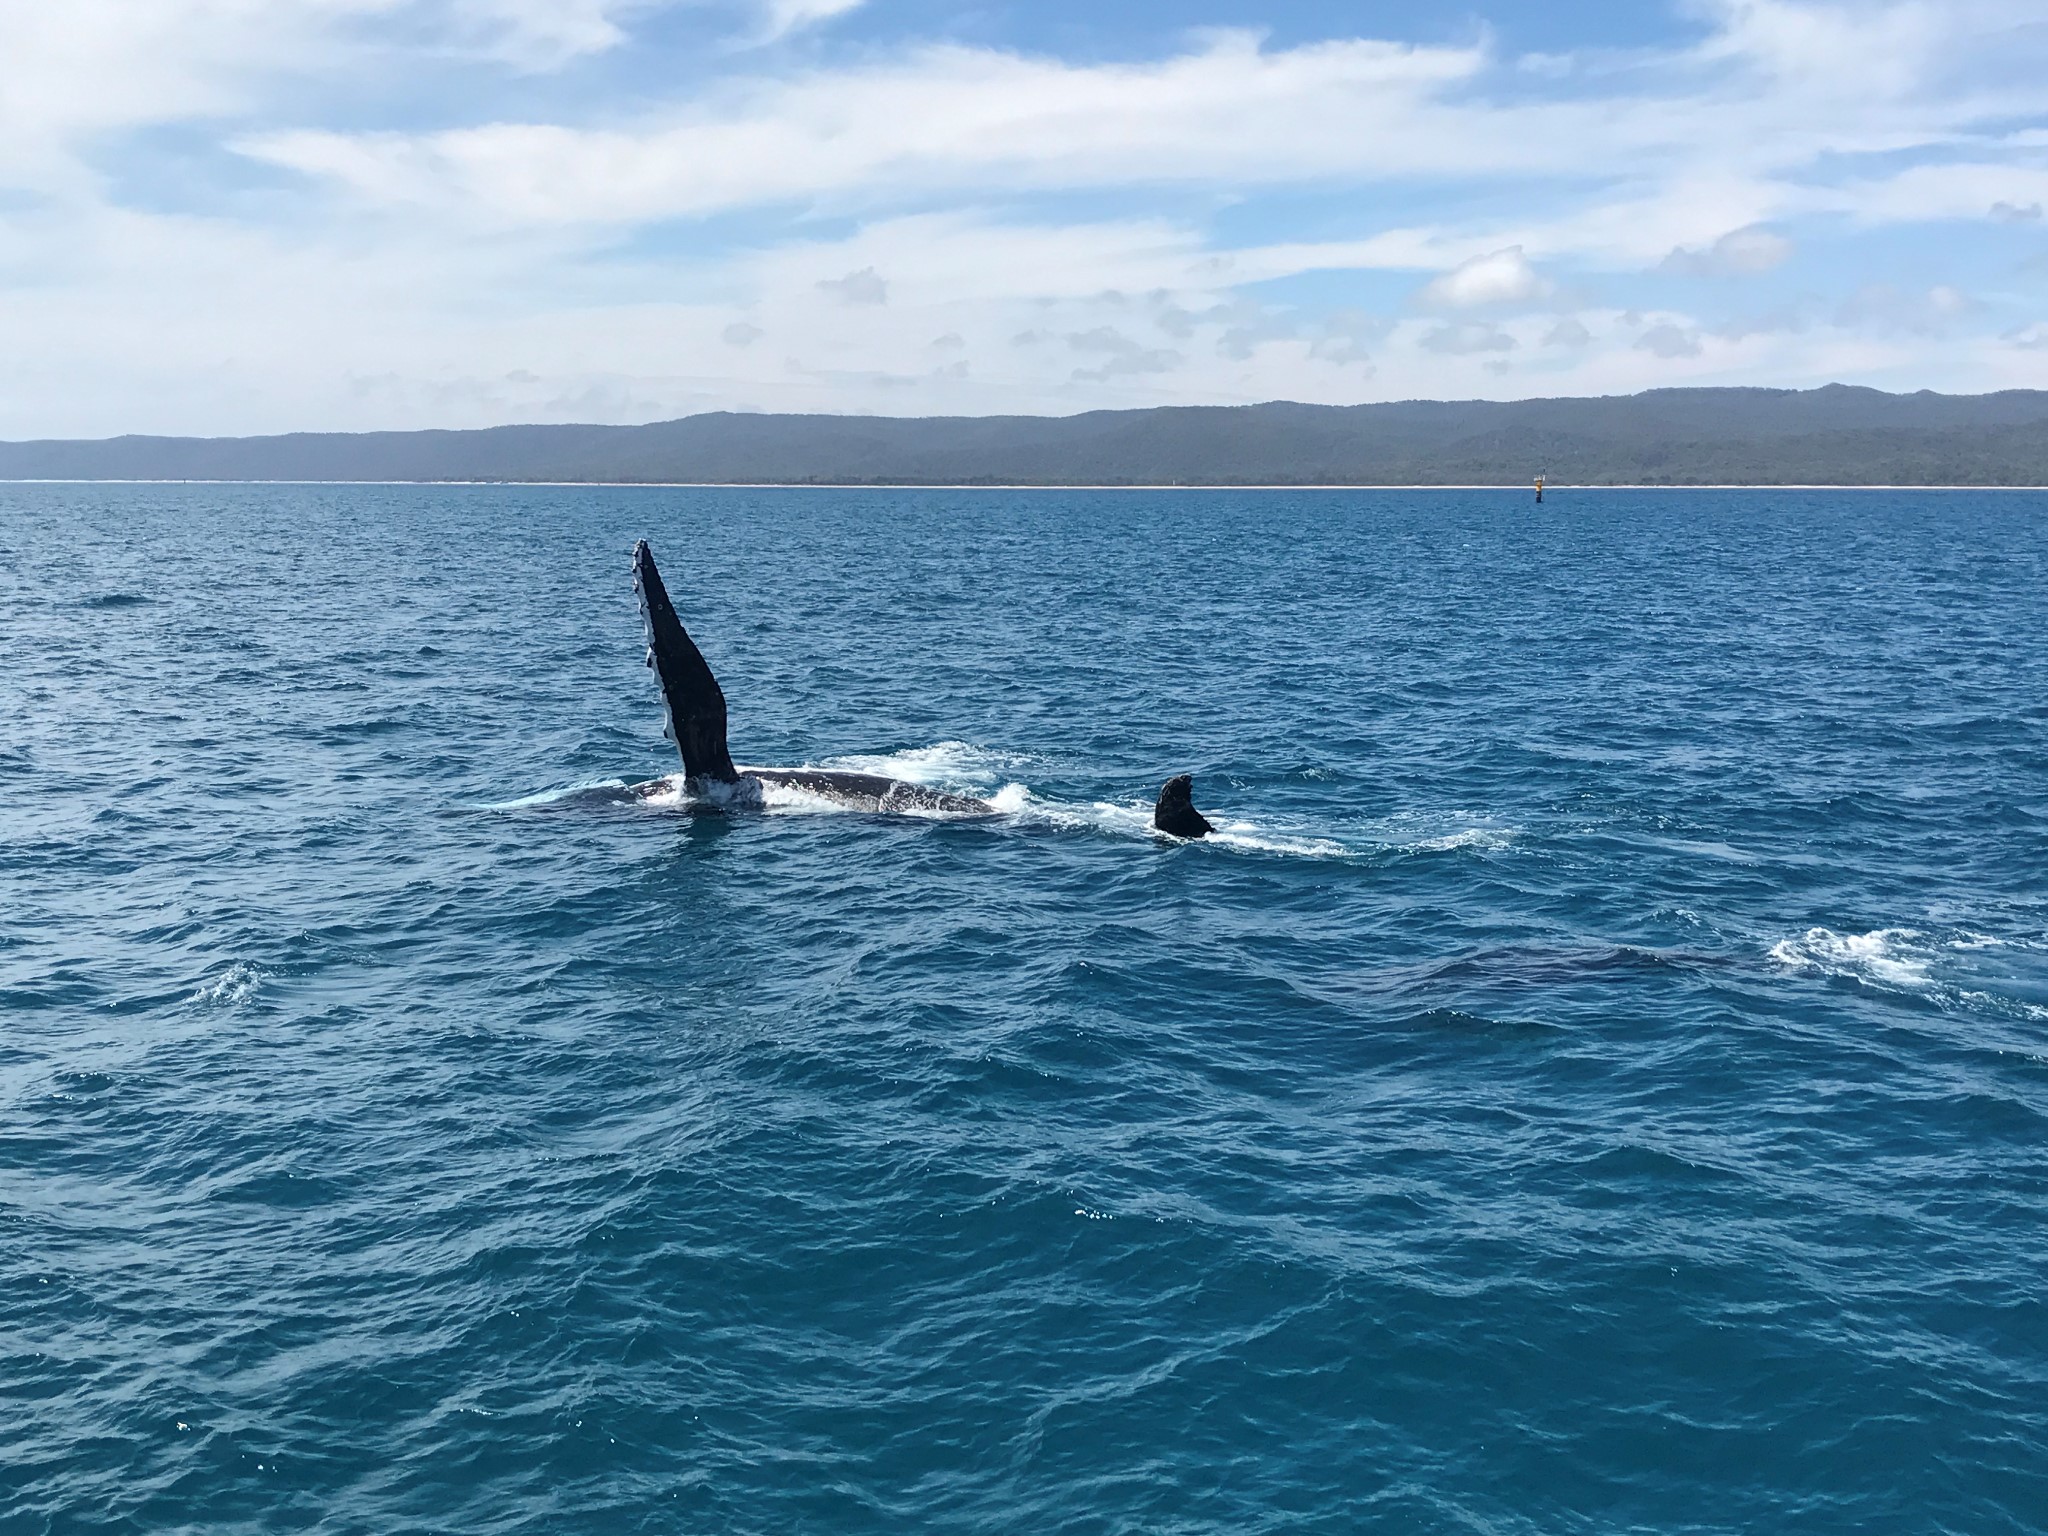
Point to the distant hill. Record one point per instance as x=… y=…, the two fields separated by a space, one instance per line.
x=1837 y=435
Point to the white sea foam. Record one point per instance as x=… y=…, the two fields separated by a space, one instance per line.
x=1892 y=957
x=955 y=765
x=1294 y=838
x=1466 y=837
x=784 y=799
x=237 y=984
x=960 y=767
x=664 y=793
x=567 y=794
x=794 y=799
x=1133 y=819
x=1251 y=836
x=1909 y=960
x=1010 y=799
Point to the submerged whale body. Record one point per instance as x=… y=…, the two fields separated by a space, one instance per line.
x=695 y=706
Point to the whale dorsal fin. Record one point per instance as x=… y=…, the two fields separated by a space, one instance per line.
x=690 y=694
x=1175 y=813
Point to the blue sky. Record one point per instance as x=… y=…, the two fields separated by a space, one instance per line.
x=267 y=215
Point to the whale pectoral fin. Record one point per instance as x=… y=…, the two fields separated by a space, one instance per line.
x=694 y=702
x=1175 y=811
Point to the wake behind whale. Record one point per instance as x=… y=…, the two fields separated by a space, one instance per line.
x=696 y=715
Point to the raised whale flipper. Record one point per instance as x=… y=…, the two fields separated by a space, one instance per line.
x=690 y=694
x=1175 y=813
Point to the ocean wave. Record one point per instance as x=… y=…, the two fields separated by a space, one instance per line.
x=1898 y=958
x=236 y=985
x=1912 y=961
x=1467 y=837
x=362 y=1121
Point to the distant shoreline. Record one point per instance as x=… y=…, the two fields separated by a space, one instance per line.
x=1832 y=438
x=829 y=485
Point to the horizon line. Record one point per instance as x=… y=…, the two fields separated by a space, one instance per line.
x=943 y=485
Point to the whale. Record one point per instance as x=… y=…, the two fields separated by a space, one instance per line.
x=1174 y=812
x=693 y=706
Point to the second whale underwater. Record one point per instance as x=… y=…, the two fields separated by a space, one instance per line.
x=695 y=706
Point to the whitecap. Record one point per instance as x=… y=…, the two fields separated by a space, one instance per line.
x=663 y=793
x=1468 y=837
x=568 y=794
x=1248 y=835
x=943 y=764
x=963 y=768
x=1133 y=819
x=1944 y=968
x=1893 y=957
x=237 y=984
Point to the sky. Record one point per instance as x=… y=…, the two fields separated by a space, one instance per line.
x=240 y=216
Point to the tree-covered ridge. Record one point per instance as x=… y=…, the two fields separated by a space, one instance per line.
x=1836 y=435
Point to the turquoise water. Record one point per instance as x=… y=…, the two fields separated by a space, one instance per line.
x=1598 y=1083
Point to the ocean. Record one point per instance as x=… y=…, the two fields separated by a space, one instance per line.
x=1597 y=1080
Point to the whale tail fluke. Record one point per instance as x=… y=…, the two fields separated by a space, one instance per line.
x=1175 y=814
x=690 y=694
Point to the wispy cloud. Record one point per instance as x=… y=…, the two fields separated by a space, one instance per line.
x=544 y=34
x=1800 y=81
x=782 y=17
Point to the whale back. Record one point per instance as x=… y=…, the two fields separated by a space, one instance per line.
x=694 y=702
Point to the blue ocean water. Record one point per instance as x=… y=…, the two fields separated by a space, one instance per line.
x=1598 y=1083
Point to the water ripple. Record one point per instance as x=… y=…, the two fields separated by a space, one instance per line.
x=1596 y=1081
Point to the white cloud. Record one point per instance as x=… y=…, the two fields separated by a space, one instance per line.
x=1739 y=253
x=1123 y=354
x=550 y=249
x=862 y=287
x=1882 y=307
x=782 y=17
x=1803 y=81
x=984 y=119
x=87 y=66
x=1498 y=278
x=73 y=70
x=413 y=333
x=544 y=34
x=1570 y=333
x=1466 y=338
x=1956 y=189
x=1669 y=341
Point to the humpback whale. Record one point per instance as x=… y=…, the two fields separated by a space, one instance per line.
x=1175 y=814
x=695 y=707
